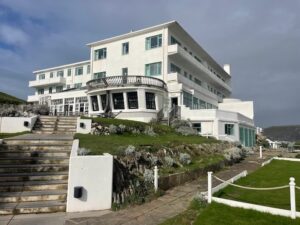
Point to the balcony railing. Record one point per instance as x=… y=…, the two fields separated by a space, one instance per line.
x=125 y=81
x=47 y=82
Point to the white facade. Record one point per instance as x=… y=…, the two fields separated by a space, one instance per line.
x=140 y=74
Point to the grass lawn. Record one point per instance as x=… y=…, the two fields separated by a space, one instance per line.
x=114 y=143
x=277 y=173
x=219 y=214
x=7 y=135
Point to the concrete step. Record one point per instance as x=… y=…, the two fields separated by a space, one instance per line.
x=33 y=168
x=66 y=129
x=36 y=147
x=42 y=141
x=33 y=185
x=33 y=196
x=44 y=128
x=72 y=126
x=35 y=154
x=35 y=176
x=33 y=207
x=34 y=160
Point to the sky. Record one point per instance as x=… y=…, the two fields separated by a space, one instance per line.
x=259 y=38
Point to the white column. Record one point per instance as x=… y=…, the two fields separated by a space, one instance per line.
x=155 y=178
x=260 y=152
x=209 y=186
x=292 y=197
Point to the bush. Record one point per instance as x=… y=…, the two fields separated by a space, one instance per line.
x=83 y=151
x=185 y=158
x=149 y=176
x=169 y=161
x=130 y=150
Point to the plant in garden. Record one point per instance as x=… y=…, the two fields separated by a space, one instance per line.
x=169 y=161
x=130 y=150
x=149 y=176
x=83 y=151
x=185 y=158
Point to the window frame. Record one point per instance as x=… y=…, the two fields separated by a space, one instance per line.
x=132 y=101
x=150 y=103
x=77 y=69
x=100 y=54
x=148 y=42
x=229 y=129
x=153 y=69
x=118 y=103
x=125 y=48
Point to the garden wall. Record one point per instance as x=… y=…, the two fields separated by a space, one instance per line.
x=16 y=124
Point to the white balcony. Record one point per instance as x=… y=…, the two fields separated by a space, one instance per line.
x=33 y=98
x=47 y=82
x=178 y=52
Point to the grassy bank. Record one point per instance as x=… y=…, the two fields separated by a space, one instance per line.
x=277 y=173
x=215 y=213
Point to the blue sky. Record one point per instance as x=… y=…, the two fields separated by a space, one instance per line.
x=259 y=38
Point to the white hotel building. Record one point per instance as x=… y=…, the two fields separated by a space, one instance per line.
x=156 y=72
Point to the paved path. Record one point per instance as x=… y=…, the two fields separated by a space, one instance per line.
x=172 y=203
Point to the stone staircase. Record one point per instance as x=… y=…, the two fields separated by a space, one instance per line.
x=34 y=173
x=55 y=125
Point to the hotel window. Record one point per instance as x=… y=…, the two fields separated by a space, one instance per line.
x=174 y=41
x=125 y=48
x=94 y=102
x=51 y=74
x=197 y=127
x=209 y=106
x=202 y=104
x=41 y=91
x=197 y=81
x=229 y=129
x=59 y=88
x=41 y=76
x=191 y=77
x=187 y=99
x=153 y=69
x=78 y=71
x=103 y=101
x=118 y=100
x=68 y=86
x=77 y=85
x=124 y=71
x=50 y=90
x=100 y=75
x=132 y=100
x=199 y=60
x=195 y=103
x=153 y=42
x=100 y=54
x=174 y=68
x=60 y=73
x=185 y=74
x=69 y=72
x=150 y=100
x=88 y=69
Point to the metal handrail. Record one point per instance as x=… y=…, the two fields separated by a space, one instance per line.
x=117 y=81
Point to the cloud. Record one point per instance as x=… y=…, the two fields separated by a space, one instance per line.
x=12 y=35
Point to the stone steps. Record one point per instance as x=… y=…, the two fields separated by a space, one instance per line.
x=33 y=196
x=32 y=207
x=34 y=160
x=35 y=153
x=35 y=147
x=30 y=142
x=35 y=176
x=33 y=168
x=33 y=185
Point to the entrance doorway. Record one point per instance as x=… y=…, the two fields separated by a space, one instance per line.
x=174 y=101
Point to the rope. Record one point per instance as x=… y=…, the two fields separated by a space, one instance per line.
x=252 y=188
x=297 y=187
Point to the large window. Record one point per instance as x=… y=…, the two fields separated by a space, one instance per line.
x=118 y=100
x=94 y=102
x=41 y=91
x=51 y=74
x=60 y=73
x=229 y=129
x=195 y=103
x=100 y=75
x=125 y=48
x=41 y=76
x=103 y=101
x=153 y=69
x=50 y=90
x=77 y=85
x=78 y=71
x=202 y=104
x=187 y=99
x=153 y=42
x=69 y=72
x=174 y=68
x=150 y=100
x=100 y=54
x=132 y=100
x=59 y=88
x=197 y=127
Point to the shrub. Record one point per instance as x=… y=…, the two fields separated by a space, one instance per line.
x=233 y=154
x=113 y=129
x=185 y=158
x=169 y=161
x=130 y=150
x=83 y=151
x=149 y=176
x=186 y=131
x=149 y=131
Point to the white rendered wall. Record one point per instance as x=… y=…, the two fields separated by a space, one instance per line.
x=235 y=105
x=95 y=175
x=16 y=124
x=86 y=129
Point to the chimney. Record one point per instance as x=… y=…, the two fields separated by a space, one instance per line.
x=226 y=67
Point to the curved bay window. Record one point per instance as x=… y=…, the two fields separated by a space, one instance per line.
x=103 y=101
x=94 y=102
x=132 y=100
x=150 y=100
x=118 y=100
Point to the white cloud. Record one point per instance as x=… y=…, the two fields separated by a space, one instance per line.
x=12 y=35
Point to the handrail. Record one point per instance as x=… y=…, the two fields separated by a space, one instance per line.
x=116 y=81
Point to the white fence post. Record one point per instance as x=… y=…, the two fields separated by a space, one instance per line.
x=209 y=186
x=293 y=197
x=260 y=152
x=155 y=178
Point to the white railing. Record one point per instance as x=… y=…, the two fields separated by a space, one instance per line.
x=275 y=211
